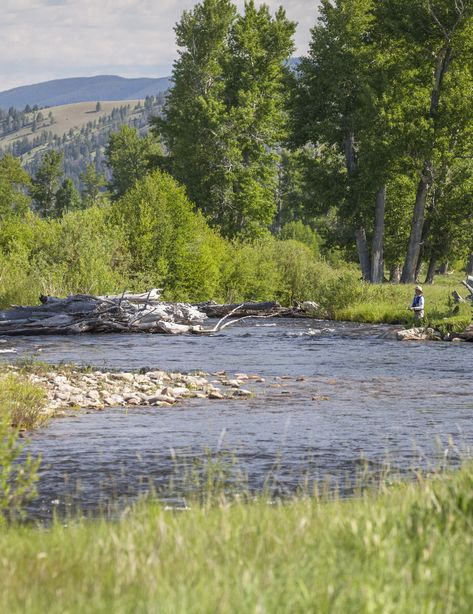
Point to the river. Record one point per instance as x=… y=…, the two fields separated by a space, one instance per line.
x=334 y=394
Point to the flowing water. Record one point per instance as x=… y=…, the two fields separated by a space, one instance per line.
x=334 y=393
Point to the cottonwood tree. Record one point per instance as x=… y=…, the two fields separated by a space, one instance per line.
x=93 y=186
x=434 y=39
x=129 y=157
x=224 y=115
x=336 y=103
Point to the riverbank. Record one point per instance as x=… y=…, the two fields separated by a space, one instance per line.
x=46 y=391
x=403 y=549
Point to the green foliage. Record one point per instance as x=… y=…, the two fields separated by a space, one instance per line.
x=79 y=252
x=130 y=158
x=46 y=183
x=20 y=405
x=168 y=242
x=94 y=183
x=298 y=231
x=404 y=548
x=21 y=401
x=67 y=197
x=224 y=115
x=14 y=182
x=250 y=273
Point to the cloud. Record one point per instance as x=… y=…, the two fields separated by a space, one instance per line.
x=48 y=39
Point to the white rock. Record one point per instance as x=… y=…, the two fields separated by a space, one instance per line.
x=157 y=398
x=216 y=394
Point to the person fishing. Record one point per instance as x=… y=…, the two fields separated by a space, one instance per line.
x=418 y=303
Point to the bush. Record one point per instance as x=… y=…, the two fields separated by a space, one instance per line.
x=298 y=231
x=169 y=244
x=81 y=252
x=250 y=272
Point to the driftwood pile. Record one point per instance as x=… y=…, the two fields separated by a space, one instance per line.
x=132 y=313
x=468 y=283
x=467 y=335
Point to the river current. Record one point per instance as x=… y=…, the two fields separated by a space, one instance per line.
x=335 y=396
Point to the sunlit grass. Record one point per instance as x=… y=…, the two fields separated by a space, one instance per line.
x=406 y=549
x=21 y=401
x=389 y=304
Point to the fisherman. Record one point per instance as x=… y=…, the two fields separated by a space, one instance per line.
x=418 y=303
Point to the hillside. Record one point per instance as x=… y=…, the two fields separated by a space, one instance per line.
x=80 y=131
x=64 y=118
x=82 y=89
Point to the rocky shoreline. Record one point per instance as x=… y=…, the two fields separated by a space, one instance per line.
x=424 y=333
x=71 y=388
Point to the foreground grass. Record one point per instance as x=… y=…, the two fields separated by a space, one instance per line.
x=405 y=550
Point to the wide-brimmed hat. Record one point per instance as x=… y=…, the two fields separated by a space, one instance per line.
x=419 y=288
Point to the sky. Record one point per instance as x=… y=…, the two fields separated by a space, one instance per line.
x=51 y=39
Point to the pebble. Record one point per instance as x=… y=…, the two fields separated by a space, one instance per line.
x=95 y=390
x=216 y=394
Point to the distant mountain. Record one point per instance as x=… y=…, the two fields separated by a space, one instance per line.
x=82 y=89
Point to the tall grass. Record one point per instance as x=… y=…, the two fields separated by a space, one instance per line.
x=21 y=401
x=406 y=550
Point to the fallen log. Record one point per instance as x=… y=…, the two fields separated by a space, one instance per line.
x=264 y=309
x=93 y=314
x=134 y=313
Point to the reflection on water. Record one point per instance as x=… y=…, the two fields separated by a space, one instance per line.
x=334 y=393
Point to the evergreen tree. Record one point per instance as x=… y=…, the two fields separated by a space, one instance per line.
x=46 y=183
x=67 y=198
x=93 y=186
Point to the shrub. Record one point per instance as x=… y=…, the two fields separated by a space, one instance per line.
x=298 y=231
x=168 y=242
x=250 y=272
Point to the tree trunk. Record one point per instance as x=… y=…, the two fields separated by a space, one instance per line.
x=443 y=270
x=413 y=249
x=444 y=58
x=429 y=279
x=350 y=153
x=469 y=265
x=377 y=260
x=360 y=234
x=395 y=274
x=363 y=253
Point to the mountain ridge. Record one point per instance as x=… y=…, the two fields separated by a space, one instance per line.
x=72 y=90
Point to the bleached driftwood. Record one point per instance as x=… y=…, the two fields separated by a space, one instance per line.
x=121 y=313
x=93 y=314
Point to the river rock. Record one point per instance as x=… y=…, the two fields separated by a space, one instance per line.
x=418 y=334
x=241 y=392
x=127 y=377
x=158 y=398
x=113 y=400
x=216 y=394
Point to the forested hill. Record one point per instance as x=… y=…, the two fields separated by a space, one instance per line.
x=80 y=131
x=82 y=89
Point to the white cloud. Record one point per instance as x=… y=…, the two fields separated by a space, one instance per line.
x=48 y=39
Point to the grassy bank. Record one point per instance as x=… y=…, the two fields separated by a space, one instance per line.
x=388 y=304
x=405 y=550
